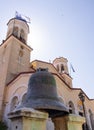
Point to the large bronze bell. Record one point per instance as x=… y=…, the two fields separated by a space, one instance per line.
x=42 y=94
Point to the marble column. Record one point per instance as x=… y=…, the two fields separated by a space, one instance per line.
x=70 y=122
x=27 y=119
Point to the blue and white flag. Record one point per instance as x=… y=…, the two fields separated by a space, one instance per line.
x=17 y=15
x=71 y=67
x=22 y=17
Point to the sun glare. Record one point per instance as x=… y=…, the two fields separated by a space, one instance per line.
x=35 y=37
x=36 y=40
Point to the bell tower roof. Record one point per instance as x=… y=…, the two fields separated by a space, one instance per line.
x=19 y=28
x=20 y=18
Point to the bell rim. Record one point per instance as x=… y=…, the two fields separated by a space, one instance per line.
x=46 y=104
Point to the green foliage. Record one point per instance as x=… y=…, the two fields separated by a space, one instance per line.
x=3 y=126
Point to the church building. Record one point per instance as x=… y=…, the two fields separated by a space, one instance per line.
x=16 y=69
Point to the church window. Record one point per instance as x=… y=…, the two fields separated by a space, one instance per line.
x=14 y=103
x=15 y=31
x=71 y=107
x=23 y=98
x=20 y=53
x=62 y=68
x=20 y=56
x=80 y=108
x=22 y=35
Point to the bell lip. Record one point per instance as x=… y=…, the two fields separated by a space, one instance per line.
x=44 y=104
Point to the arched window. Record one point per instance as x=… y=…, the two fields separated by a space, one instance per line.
x=71 y=107
x=23 y=97
x=22 y=35
x=15 y=31
x=80 y=108
x=62 y=68
x=14 y=103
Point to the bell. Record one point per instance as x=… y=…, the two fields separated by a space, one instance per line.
x=42 y=94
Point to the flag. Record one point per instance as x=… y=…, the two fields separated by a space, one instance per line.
x=17 y=15
x=71 y=67
x=23 y=17
x=27 y=19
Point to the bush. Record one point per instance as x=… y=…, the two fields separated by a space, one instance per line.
x=3 y=126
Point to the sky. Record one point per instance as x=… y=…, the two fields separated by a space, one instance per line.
x=58 y=28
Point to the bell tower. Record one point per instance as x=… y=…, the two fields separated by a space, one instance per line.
x=14 y=54
x=19 y=28
x=62 y=67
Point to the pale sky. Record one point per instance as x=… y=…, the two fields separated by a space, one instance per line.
x=59 y=28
